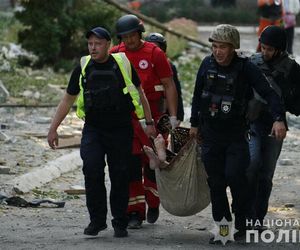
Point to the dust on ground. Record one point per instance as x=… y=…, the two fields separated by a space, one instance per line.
x=56 y=228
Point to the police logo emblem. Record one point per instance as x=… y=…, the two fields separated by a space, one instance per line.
x=143 y=64
x=226 y=107
x=224 y=230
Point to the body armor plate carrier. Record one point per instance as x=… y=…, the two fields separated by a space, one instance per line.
x=223 y=95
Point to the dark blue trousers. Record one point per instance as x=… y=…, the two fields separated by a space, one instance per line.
x=264 y=151
x=225 y=163
x=98 y=146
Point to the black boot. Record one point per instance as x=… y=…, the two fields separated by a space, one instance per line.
x=152 y=214
x=120 y=232
x=135 y=221
x=93 y=229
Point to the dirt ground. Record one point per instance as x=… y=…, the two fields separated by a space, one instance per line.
x=48 y=227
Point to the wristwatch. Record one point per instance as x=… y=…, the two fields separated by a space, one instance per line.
x=278 y=119
x=150 y=123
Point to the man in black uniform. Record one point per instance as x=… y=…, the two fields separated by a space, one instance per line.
x=223 y=88
x=283 y=75
x=108 y=90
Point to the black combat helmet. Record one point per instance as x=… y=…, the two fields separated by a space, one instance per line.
x=274 y=36
x=157 y=38
x=127 y=24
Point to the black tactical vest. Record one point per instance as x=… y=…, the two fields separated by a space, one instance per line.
x=103 y=91
x=277 y=74
x=269 y=73
x=224 y=92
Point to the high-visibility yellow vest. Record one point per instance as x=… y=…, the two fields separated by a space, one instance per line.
x=125 y=68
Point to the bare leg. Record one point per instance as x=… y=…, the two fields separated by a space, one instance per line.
x=159 y=143
x=154 y=161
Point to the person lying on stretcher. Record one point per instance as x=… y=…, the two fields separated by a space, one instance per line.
x=157 y=159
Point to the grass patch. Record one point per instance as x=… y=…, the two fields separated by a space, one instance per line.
x=52 y=194
x=187 y=69
x=19 y=80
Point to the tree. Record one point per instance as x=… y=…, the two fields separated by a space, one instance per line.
x=55 y=30
x=224 y=3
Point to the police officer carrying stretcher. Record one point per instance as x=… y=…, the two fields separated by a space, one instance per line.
x=283 y=74
x=222 y=91
x=155 y=73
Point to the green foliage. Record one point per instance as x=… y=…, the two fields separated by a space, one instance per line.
x=175 y=45
x=55 y=30
x=9 y=27
x=198 y=11
x=187 y=70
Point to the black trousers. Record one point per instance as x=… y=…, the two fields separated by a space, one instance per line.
x=116 y=145
x=225 y=163
x=264 y=152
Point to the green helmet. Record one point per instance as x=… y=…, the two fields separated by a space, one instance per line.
x=226 y=33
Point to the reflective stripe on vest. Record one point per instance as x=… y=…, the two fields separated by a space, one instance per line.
x=125 y=68
x=80 y=111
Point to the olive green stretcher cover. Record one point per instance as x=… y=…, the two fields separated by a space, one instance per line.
x=182 y=186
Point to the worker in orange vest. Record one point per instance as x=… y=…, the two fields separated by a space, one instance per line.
x=271 y=12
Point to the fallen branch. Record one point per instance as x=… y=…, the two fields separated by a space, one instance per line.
x=153 y=22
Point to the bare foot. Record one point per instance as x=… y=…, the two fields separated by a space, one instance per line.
x=154 y=162
x=159 y=143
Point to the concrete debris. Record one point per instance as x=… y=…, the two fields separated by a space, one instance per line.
x=42 y=78
x=2 y=162
x=286 y=162
x=31 y=94
x=21 y=123
x=27 y=94
x=5 y=66
x=77 y=132
x=34 y=134
x=4 y=170
x=4 y=126
x=54 y=89
x=4 y=137
x=52 y=170
x=7 y=139
x=293 y=121
x=289 y=205
x=2 y=197
x=14 y=51
x=43 y=120
x=37 y=95
x=4 y=94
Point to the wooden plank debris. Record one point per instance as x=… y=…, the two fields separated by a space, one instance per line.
x=75 y=190
x=71 y=142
